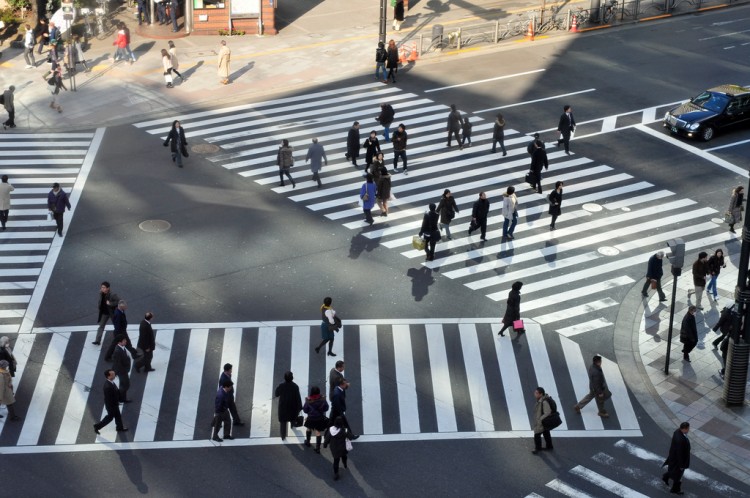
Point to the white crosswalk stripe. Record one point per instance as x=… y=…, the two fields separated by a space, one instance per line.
x=604 y=209
x=425 y=400
x=33 y=162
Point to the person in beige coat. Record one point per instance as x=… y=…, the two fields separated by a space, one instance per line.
x=166 y=62
x=542 y=410
x=6 y=391
x=175 y=61
x=224 y=57
x=5 y=190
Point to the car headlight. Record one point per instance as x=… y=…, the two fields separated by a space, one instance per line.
x=693 y=126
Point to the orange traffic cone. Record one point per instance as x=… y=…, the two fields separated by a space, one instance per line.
x=574 y=24
x=402 y=55
x=413 y=56
x=530 y=31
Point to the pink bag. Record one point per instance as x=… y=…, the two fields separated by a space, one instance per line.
x=518 y=326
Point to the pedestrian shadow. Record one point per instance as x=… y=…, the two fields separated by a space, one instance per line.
x=552 y=256
x=360 y=244
x=134 y=469
x=421 y=280
x=191 y=70
x=247 y=67
x=145 y=47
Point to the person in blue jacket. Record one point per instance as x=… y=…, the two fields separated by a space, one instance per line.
x=367 y=194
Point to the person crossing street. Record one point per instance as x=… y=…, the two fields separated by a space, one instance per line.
x=597 y=389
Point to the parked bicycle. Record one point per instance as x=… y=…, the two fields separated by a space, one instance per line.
x=582 y=16
x=610 y=12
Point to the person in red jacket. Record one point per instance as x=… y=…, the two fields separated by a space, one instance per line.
x=121 y=41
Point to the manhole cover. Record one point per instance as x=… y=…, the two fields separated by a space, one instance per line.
x=718 y=221
x=155 y=226
x=204 y=148
x=608 y=251
x=591 y=207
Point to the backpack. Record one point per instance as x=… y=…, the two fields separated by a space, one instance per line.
x=380 y=55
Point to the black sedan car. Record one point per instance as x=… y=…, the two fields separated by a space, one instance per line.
x=713 y=110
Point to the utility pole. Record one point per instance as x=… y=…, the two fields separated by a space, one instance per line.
x=677 y=259
x=383 y=20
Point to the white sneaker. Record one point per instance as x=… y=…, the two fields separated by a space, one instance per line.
x=29 y=67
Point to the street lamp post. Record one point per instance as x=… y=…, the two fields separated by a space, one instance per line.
x=677 y=259
x=383 y=20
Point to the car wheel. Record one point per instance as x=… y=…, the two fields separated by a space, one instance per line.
x=707 y=133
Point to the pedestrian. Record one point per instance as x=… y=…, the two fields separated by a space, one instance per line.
x=597 y=389
x=28 y=47
x=454 y=124
x=6 y=353
x=10 y=107
x=177 y=142
x=285 y=160
x=724 y=351
x=316 y=154
x=654 y=272
x=542 y=410
x=688 y=333
x=166 y=62
x=430 y=232
x=498 y=134
x=566 y=126
x=121 y=363
x=7 y=395
x=146 y=343
x=107 y=303
x=335 y=376
x=479 y=213
x=5 y=189
x=120 y=42
x=555 y=202
x=330 y=324
x=380 y=57
x=338 y=405
x=161 y=11
x=383 y=185
x=531 y=146
x=120 y=322
x=56 y=84
x=700 y=270
x=510 y=212
x=128 y=52
x=290 y=402
x=367 y=193
x=399 y=14
x=392 y=61
x=724 y=325
x=678 y=459
x=466 y=131
x=226 y=376
x=338 y=437
x=715 y=264
x=173 y=6
x=735 y=206
x=385 y=118
x=447 y=210
x=399 y=147
x=175 y=60
x=221 y=412
x=53 y=39
x=372 y=149
x=512 y=308
x=57 y=201
x=224 y=57
x=42 y=32
x=352 y=144
x=538 y=161
x=378 y=164
x=315 y=407
x=111 y=404
x=78 y=54
x=144 y=14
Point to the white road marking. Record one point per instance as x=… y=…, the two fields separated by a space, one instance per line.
x=574 y=311
x=514 y=398
x=480 y=398
x=559 y=297
x=535 y=101
x=79 y=392
x=184 y=426
x=606 y=483
x=543 y=369
x=582 y=327
x=620 y=399
x=724 y=35
x=733 y=144
x=441 y=381
x=566 y=489
x=372 y=405
x=154 y=389
x=263 y=391
x=406 y=383
x=477 y=82
x=580 y=379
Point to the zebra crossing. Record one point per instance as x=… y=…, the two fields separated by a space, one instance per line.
x=611 y=224
x=633 y=471
x=411 y=380
x=28 y=248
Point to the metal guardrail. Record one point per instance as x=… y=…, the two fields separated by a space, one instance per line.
x=553 y=19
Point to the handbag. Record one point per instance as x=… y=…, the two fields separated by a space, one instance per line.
x=298 y=421
x=653 y=284
x=607 y=393
x=336 y=325
x=552 y=421
x=529 y=178
x=417 y=243
x=349 y=446
x=518 y=326
x=728 y=217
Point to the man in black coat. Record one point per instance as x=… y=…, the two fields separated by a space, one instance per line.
x=353 y=143
x=121 y=365
x=226 y=376
x=479 y=213
x=120 y=321
x=107 y=302
x=290 y=402
x=221 y=412
x=538 y=161
x=455 y=122
x=678 y=459
x=146 y=343
x=566 y=126
x=111 y=404
x=654 y=272
x=338 y=405
x=688 y=333
x=385 y=118
x=335 y=376
x=399 y=147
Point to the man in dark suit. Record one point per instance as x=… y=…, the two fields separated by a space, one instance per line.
x=221 y=412
x=538 y=161
x=678 y=459
x=335 y=376
x=338 y=404
x=226 y=376
x=121 y=365
x=146 y=343
x=111 y=404
x=353 y=143
x=120 y=321
x=566 y=126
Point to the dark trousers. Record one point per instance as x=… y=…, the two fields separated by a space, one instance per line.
x=429 y=247
x=4 y=216
x=124 y=386
x=222 y=418
x=674 y=473
x=396 y=155
x=538 y=440
x=28 y=55
x=565 y=140
x=323 y=343
x=368 y=215
x=455 y=134
x=111 y=415
x=688 y=346
x=100 y=331
x=647 y=286
x=143 y=12
x=59 y=220
x=175 y=71
x=500 y=141
x=283 y=428
x=336 y=463
x=465 y=138
x=391 y=75
x=316 y=178
x=718 y=340
x=537 y=182
x=11 y=118
x=233 y=410
x=145 y=360
x=283 y=172
x=554 y=218
x=482 y=225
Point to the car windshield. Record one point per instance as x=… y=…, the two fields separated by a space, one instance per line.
x=711 y=101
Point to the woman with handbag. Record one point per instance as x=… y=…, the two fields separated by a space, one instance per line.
x=178 y=142
x=735 y=207
x=512 y=308
x=367 y=193
x=285 y=160
x=339 y=439
x=542 y=410
x=316 y=407
x=330 y=324
x=715 y=264
x=430 y=232
x=447 y=209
